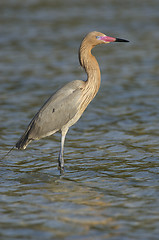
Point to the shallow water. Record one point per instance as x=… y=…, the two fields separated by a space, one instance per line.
x=110 y=186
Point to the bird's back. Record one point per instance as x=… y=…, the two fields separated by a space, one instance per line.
x=56 y=113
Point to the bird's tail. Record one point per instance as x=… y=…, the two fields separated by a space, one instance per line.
x=7 y=153
x=23 y=141
x=21 y=144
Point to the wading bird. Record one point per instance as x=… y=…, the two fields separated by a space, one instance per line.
x=65 y=107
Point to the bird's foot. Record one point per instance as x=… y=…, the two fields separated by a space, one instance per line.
x=61 y=163
x=61 y=169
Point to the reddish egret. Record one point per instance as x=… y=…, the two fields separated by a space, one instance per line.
x=65 y=107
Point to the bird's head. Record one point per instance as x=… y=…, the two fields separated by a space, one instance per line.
x=96 y=38
x=93 y=39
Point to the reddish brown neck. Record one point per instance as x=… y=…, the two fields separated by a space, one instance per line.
x=90 y=64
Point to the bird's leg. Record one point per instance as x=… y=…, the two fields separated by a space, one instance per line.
x=60 y=158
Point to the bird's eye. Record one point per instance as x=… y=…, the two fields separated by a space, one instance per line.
x=99 y=37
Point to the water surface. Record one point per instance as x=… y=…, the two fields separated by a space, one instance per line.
x=110 y=186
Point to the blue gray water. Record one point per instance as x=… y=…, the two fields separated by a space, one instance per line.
x=110 y=186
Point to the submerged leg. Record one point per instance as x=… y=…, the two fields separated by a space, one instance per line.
x=60 y=158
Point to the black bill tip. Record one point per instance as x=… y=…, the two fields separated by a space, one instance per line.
x=121 y=40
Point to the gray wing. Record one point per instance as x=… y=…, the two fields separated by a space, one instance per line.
x=58 y=110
